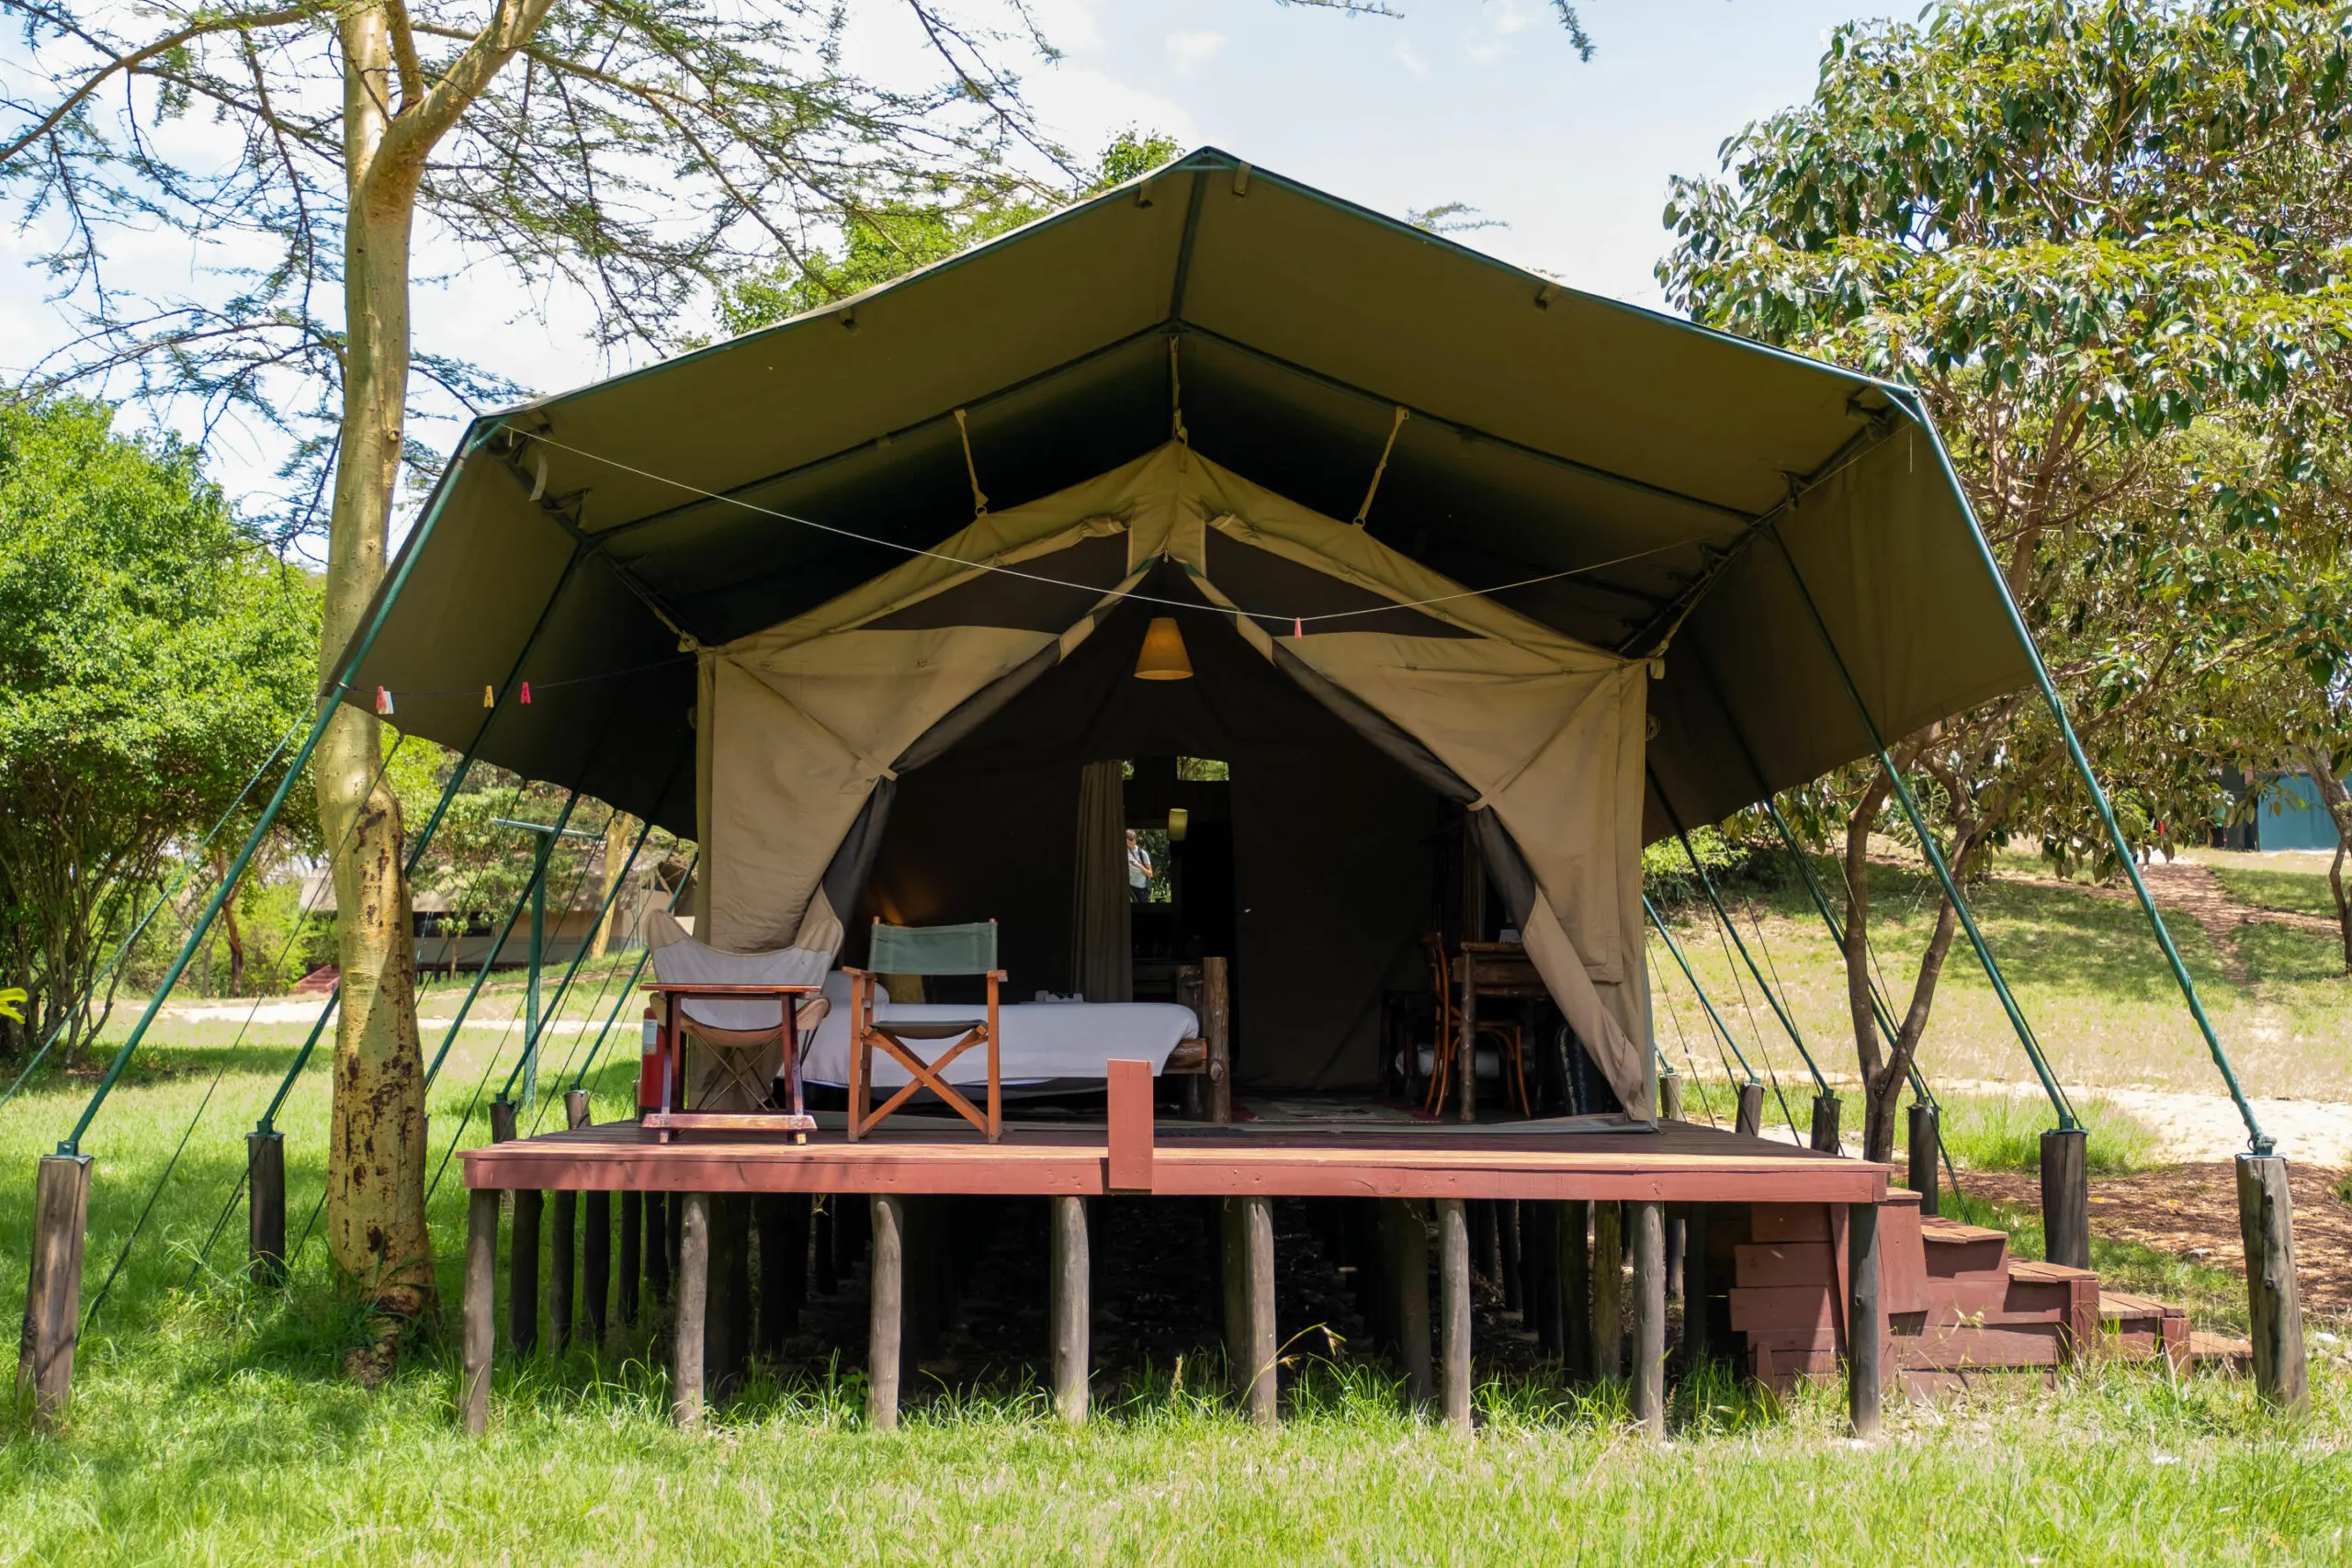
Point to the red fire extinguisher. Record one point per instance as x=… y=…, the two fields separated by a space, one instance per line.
x=652 y=1063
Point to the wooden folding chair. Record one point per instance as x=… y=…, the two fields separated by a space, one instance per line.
x=927 y=951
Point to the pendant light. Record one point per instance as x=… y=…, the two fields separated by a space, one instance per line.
x=1163 y=656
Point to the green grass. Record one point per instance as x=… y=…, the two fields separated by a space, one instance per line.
x=224 y=1434
x=2299 y=892
x=212 y=1422
x=1982 y=1133
x=2085 y=970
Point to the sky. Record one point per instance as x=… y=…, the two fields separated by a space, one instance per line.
x=1477 y=102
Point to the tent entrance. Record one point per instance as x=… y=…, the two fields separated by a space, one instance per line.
x=1312 y=865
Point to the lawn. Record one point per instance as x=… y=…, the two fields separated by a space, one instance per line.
x=212 y=1423
x=2084 y=968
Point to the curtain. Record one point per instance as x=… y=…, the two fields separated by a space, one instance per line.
x=1101 y=959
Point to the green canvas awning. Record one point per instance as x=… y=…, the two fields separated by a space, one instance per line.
x=587 y=542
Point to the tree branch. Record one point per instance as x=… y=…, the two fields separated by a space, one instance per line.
x=243 y=22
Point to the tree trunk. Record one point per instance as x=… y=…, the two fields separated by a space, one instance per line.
x=376 y=1226
x=2339 y=812
x=618 y=830
x=235 y=932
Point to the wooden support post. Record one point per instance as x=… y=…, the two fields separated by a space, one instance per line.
x=689 y=1336
x=783 y=1219
x=2266 y=1221
x=1217 y=1002
x=596 y=1236
x=266 y=1207
x=886 y=1290
x=482 y=1317
x=563 y=1230
x=1695 y=1286
x=1670 y=1101
x=1540 y=1265
x=53 y=1287
x=726 y=1309
x=632 y=1255
x=1573 y=1283
x=1506 y=1233
x=1925 y=1147
x=1250 y=1346
x=1069 y=1305
x=523 y=1273
x=2066 y=1198
x=1404 y=1262
x=1454 y=1275
x=824 y=1213
x=1466 y=1045
x=1865 y=1324
x=1750 y=1119
x=657 y=1245
x=1825 y=1125
x=1650 y=1317
x=1608 y=1291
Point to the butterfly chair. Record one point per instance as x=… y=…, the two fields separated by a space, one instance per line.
x=733 y=1006
x=1504 y=1033
x=924 y=951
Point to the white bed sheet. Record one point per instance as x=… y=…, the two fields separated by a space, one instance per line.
x=1041 y=1041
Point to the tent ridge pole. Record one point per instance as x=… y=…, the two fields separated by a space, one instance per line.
x=2259 y=1141
x=1933 y=851
x=1184 y=246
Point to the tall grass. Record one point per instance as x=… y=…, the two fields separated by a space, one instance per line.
x=1988 y=1132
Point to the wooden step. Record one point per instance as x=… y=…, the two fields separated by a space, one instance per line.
x=2142 y=1328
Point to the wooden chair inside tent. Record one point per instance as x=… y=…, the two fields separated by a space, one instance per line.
x=1505 y=1033
x=926 y=951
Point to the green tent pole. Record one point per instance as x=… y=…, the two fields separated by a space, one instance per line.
x=498 y=942
x=2067 y=1121
x=2261 y=1143
x=1704 y=1000
x=1878 y=1008
x=563 y=987
x=580 y=1078
x=1706 y=881
x=531 y=988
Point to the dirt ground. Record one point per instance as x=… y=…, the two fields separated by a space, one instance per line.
x=2191 y=1211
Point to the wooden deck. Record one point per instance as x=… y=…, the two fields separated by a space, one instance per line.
x=1678 y=1162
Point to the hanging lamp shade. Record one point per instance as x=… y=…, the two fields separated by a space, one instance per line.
x=1163 y=656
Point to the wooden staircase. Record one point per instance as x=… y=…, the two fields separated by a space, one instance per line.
x=1957 y=1304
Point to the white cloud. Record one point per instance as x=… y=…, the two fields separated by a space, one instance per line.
x=1187 y=51
x=1513 y=17
x=1408 y=60
x=1482 y=52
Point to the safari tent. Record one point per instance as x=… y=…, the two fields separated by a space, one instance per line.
x=857 y=600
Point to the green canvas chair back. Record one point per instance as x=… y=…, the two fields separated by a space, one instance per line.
x=932 y=949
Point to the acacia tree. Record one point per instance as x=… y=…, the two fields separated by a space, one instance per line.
x=2096 y=239
x=637 y=153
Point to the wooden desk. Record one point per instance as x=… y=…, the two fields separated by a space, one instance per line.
x=674 y=1117
x=1496 y=969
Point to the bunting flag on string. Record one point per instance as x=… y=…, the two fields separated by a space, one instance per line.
x=383 y=700
x=1297 y=627
x=489 y=699
x=526 y=693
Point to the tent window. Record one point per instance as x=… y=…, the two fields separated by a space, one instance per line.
x=1202 y=770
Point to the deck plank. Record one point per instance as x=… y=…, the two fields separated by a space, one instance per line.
x=1679 y=1163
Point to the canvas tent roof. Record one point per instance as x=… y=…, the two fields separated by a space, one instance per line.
x=580 y=541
